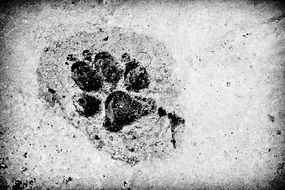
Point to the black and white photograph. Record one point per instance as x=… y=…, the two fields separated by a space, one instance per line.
x=142 y=95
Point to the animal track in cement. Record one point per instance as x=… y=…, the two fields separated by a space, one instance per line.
x=123 y=103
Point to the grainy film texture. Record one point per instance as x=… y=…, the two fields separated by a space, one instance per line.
x=142 y=94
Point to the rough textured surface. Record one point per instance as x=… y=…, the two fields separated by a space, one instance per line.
x=216 y=69
x=129 y=88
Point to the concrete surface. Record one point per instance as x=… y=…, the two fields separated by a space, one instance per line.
x=229 y=57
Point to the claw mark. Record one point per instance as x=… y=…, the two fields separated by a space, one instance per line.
x=272 y=118
x=174 y=121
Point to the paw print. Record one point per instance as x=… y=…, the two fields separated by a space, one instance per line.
x=101 y=73
x=120 y=92
x=85 y=77
x=87 y=105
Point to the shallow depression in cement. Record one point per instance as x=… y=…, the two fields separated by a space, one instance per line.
x=115 y=94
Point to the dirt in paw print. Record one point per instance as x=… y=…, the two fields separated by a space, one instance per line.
x=87 y=105
x=120 y=92
x=85 y=77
